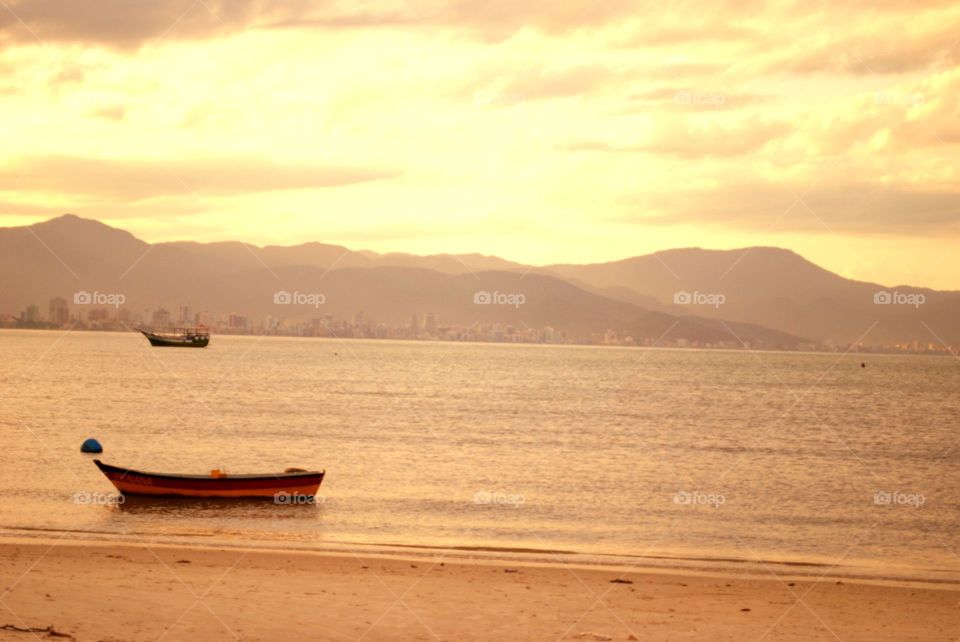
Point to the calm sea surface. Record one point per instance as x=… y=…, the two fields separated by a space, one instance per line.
x=800 y=463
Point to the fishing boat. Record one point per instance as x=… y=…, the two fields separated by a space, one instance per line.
x=292 y=484
x=178 y=338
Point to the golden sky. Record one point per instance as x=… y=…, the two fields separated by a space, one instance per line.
x=542 y=132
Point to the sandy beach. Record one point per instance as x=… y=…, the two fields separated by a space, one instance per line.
x=110 y=592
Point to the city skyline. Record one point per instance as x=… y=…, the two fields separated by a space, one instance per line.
x=421 y=326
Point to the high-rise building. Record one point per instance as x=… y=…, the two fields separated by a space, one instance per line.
x=414 y=325
x=59 y=311
x=31 y=314
x=161 y=318
x=238 y=322
x=431 y=322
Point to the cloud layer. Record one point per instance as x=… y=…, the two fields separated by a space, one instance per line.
x=135 y=179
x=543 y=130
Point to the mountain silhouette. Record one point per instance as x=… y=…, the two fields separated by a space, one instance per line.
x=770 y=297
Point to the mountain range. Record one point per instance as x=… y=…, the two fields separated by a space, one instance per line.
x=766 y=296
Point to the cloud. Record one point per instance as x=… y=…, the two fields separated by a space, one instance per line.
x=505 y=83
x=854 y=38
x=9 y=209
x=688 y=141
x=691 y=99
x=490 y=20
x=68 y=74
x=114 y=112
x=550 y=83
x=884 y=49
x=843 y=207
x=161 y=208
x=133 y=180
x=798 y=38
x=899 y=119
x=500 y=85
x=130 y=23
x=670 y=36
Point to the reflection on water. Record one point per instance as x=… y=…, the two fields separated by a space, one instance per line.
x=252 y=521
x=217 y=508
x=797 y=458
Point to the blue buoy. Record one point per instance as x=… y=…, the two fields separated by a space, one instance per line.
x=91 y=446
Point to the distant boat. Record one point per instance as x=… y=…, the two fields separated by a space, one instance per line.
x=179 y=338
x=294 y=483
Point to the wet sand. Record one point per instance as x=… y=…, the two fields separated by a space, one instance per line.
x=105 y=591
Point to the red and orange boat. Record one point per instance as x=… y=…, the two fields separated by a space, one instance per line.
x=294 y=481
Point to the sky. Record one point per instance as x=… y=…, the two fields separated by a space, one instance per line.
x=541 y=132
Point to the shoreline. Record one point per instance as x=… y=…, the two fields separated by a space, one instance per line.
x=138 y=591
x=823 y=350
x=755 y=569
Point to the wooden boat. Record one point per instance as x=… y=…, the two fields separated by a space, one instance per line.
x=280 y=486
x=179 y=338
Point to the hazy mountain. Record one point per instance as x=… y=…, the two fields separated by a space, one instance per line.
x=761 y=287
x=60 y=255
x=67 y=254
x=779 y=289
x=392 y=294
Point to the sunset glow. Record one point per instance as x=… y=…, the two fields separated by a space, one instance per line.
x=540 y=132
x=480 y=320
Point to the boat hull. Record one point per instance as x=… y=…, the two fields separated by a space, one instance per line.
x=135 y=482
x=158 y=341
